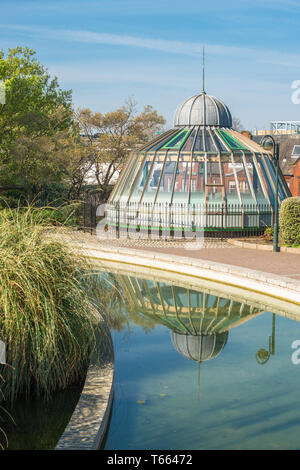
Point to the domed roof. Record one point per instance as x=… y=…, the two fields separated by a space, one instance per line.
x=199 y=347
x=204 y=110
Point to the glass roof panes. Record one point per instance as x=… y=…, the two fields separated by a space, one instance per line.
x=199 y=142
x=188 y=146
x=177 y=141
x=209 y=144
x=231 y=141
x=219 y=143
x=161 y=141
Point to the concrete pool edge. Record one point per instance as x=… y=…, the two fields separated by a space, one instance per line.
x=87 y=427
x=276 y=286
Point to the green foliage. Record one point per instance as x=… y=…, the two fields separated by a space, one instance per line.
x=32 y=97
x=12 y=199
x=35 y=114
x=48 y=316
x=66 y=215
x=50 y=194
x=289 y=221
x=41 y=135
x=109 y=138
x=268 y=234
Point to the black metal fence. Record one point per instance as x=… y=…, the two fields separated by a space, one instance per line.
x=90 y=205
x=179 y=219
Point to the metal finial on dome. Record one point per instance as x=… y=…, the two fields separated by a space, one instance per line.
x=203 y=72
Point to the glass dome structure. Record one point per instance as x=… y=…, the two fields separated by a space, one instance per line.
x=201 y=175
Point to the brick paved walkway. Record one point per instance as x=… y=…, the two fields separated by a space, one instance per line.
x=284 y=264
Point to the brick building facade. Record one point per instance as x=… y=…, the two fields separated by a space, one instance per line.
x=289 y=157
x=290 y=162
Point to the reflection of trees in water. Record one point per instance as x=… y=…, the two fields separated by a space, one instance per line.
x=114 y=306
x=109 y=298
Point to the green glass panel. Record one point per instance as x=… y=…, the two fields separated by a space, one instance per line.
x=177 y=141
x=231 y=141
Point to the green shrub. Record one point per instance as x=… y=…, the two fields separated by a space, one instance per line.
x=47 y=316
x=54 y=194
x=268 y=234
x=289 y=221
x=12 y=199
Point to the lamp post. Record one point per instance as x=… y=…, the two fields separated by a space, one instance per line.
x=269 y=143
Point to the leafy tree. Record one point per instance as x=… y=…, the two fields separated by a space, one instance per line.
x=110 y=138
x=75 y=159
x=43 y=142
x=36 y=113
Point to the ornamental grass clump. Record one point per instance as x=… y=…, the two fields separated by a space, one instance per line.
x=289 y=221
x=48 y=319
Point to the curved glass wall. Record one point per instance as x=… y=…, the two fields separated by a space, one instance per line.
x=209 y=168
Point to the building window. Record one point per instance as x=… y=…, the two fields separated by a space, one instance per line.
x=231 y=186
x=296 y=151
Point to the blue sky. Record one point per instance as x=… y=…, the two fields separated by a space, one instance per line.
x=107 y=51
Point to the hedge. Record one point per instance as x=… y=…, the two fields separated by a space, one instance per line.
x=289 y=221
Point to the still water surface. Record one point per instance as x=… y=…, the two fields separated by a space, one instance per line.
x=200 y=371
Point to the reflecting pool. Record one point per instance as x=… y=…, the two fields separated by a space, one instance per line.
x=200 y=370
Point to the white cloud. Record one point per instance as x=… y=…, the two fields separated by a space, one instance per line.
x=176 y=47
x=172 y=46
x=247 y=79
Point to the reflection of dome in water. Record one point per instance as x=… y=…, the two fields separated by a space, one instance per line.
x=199 y=347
